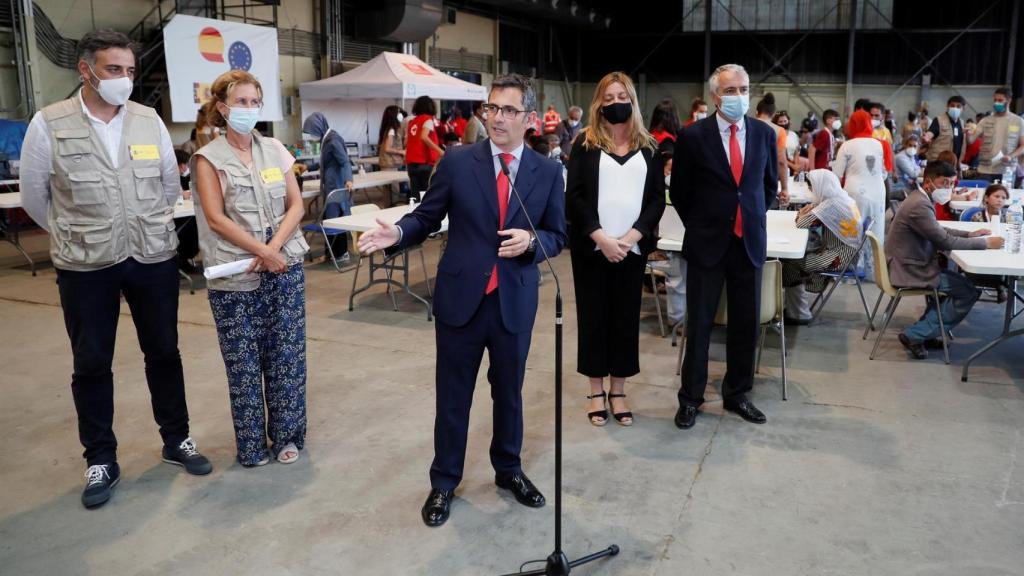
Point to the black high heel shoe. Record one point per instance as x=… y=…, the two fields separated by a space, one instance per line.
x=602 y=414
x=623 y=418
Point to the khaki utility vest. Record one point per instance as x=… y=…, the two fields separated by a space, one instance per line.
x=101 y=215
x=254 y=198
x=944 y=141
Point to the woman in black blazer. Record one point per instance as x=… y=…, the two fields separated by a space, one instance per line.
x=615 y=196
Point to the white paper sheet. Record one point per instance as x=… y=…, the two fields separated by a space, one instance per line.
x=225 y=270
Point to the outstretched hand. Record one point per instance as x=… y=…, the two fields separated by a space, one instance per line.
x=383 y=236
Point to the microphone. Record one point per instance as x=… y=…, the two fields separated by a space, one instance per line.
x=540 y=245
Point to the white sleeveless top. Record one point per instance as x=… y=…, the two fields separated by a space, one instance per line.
x=620 y=194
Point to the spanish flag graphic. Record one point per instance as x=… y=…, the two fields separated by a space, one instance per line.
x=211 y=44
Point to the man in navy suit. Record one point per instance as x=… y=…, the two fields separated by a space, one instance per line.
x=486 y=296
x=724 y=177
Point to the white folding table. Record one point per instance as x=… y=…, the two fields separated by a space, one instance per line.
x=367 y=221
x=10 y=201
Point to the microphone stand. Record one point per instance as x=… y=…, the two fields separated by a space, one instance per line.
x=557 y=564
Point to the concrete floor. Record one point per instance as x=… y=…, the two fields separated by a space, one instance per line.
x=882 y=467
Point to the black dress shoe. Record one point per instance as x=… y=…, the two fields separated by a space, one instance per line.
x=437 y=507
x=746 y=409
x=686 y=416
x=933 y=344
x=916 y=350
x=524 y=490
x=790 y=321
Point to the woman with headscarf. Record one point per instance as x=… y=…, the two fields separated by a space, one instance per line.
x=861 y=165
x=335 y=174
x=834 y=223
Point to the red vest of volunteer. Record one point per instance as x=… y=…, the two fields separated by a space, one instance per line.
x=551 y=120
x=416 y=151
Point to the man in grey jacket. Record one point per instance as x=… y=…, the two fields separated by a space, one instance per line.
x=911 y=246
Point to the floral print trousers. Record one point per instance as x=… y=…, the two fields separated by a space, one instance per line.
x=262 y=336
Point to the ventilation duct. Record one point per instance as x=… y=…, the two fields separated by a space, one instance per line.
x=401 y=20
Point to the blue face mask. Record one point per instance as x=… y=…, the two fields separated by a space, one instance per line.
x=954 y=113
x=243 y=120
x=735 y=107
x=999 y=107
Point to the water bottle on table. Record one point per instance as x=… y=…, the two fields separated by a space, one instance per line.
x=1013 y=224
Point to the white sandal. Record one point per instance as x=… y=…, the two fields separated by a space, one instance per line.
x=288 y=454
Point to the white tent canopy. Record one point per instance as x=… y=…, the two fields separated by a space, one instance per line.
x=392 y=75
x=354 y=102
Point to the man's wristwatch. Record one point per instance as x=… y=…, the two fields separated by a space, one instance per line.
x=532 y=247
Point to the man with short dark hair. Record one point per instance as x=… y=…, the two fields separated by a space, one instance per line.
x=1001 y=145
x=823 y=142
x=486 y=294
x=947 y=131
x=913 y=239
x=99 y=173
x=475 y=129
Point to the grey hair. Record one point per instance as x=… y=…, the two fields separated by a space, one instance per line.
x=523 y=84
x=713 y=80
x=575 y=109
x=102 y=39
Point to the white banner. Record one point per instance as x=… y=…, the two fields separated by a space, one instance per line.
x=200 y=49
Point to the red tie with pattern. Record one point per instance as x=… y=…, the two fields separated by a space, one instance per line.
x=736 y=163
x=492 y=284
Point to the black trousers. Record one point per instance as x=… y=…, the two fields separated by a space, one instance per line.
x=92 y=303
x=608 y=297
x=459 y=352
x=419 y=178
x=703 y=290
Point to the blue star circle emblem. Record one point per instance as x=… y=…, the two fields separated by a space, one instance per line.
x=240 y=57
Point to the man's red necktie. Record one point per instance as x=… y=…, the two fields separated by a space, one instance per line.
x=503 y=191
x=736 y=163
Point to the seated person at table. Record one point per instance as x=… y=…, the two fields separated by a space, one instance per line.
x=914 y=237
x=835 y=231
x=942 y=199
x=906 y=167
x=188 y=236
x=992 y=203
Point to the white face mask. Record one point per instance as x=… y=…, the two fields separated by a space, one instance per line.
x=700 y=115
x=836 y=124
x=942 y=195
x=911 y=151
x=114 y=91
x=400 y=117
x=573 y=122
x=875 y=122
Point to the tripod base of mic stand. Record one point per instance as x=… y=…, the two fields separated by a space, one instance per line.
x=559 y=565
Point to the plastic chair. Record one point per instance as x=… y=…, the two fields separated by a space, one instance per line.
x=966 y=215
x=328 y=233
x=834 y=279
x=895 y=295
x=772 y=316
x=653 y=272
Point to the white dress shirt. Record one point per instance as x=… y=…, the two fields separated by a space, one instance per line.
x=726 y=133
x=620 y=194
x=513 y=166
x=37 y=161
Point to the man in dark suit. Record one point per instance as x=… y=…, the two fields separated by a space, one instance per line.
x=724 y=177
x=487 y=279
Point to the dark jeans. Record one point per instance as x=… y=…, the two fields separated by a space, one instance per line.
x=92 y=304
x=419 y=178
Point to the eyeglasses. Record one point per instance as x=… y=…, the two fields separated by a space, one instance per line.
x=507 y=111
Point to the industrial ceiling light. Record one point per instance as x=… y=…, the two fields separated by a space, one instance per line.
x=592 y=16
x=607 y=21
x=554 y=4
x=573 y=8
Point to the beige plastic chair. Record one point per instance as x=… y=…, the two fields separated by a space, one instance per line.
x=653 y=271
x=772 y=316
x=895 y=295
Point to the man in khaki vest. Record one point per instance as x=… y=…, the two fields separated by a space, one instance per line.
x=947 y=131
x=99 y=173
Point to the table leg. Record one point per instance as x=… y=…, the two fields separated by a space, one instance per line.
x=1011 y=313
x=14 y=239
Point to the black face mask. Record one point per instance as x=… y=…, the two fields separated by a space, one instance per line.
x=618 y=112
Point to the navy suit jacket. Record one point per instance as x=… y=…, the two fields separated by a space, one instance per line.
x=705 y=194
x=464 y=188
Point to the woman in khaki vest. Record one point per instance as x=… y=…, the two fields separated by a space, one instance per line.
x=251 y=207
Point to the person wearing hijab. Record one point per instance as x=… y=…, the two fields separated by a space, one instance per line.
x=834 y=223
x=335 y=174
x=861 y=165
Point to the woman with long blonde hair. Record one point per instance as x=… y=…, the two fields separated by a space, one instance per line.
x=614 y=200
